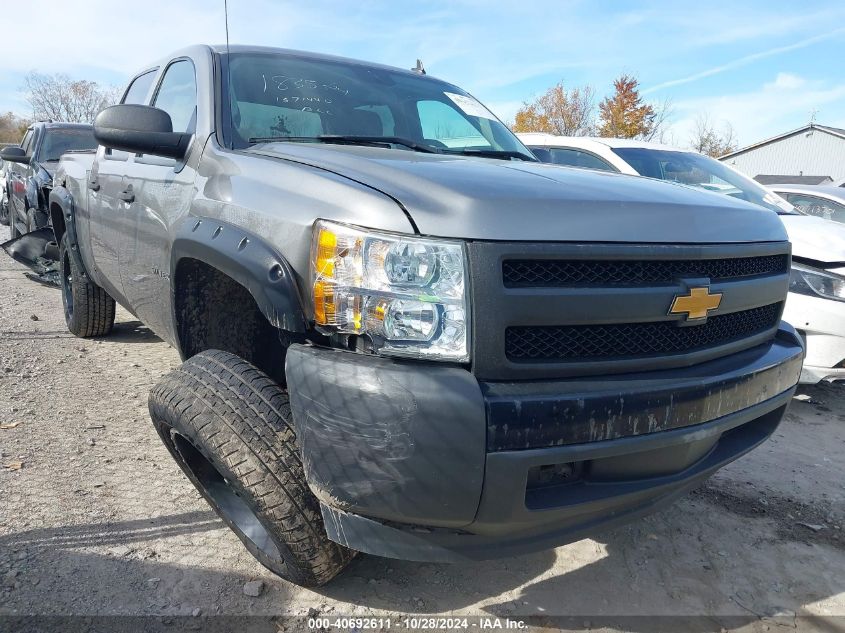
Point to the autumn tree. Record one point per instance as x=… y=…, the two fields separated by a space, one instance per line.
x=707 y=139
x=60 y=98
x=559 y=111
x=12 y=128
x=624 y=114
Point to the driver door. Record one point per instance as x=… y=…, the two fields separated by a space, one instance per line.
x=162 y=190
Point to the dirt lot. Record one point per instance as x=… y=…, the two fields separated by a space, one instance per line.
x=99 y=521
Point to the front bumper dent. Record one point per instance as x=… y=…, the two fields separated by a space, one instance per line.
x=401 y=458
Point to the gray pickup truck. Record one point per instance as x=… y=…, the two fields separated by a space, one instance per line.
x=401 y=333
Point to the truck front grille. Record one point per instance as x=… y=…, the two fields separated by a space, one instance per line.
x=639 y=340
x=547 y=310
x=523 y=273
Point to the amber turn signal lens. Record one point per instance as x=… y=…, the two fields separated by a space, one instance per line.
x=323 y=303
x=326 y=252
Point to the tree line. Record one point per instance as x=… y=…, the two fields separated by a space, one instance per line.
x=57 y=97
x=566 y=111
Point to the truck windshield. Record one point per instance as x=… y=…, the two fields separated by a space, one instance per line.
x=57 y=141
x=697 y=170
x=289 y=97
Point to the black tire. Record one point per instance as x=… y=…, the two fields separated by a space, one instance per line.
x=227 y=425
x=89 y=310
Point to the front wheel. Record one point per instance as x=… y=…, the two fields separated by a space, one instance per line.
x=227 y=425
x=89 y=310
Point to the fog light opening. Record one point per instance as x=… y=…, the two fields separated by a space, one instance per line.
x=554 y=475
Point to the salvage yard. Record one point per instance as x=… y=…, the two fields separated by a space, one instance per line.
x=96 y=518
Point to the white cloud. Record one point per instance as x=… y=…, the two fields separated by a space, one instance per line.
x=786 y=81
x=104 y=34
x=747 y=59
x=786 y=102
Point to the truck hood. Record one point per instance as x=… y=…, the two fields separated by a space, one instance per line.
x=816 y=238
x=482 y=198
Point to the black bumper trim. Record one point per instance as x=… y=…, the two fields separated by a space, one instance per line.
x=504 y=526
x=538 y=414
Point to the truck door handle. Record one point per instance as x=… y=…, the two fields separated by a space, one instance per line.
x=127 y=195
x=93 y=185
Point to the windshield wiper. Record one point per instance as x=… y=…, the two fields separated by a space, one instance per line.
x=491 y=153
x=349 y=139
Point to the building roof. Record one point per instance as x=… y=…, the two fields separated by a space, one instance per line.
x=835 y=131
x=767 y=179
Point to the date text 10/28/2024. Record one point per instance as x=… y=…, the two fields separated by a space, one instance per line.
x=416 y=623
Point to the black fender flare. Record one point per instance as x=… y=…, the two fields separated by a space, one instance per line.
x=247 y=259
x=61 y=196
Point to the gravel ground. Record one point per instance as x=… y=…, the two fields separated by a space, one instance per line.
x=99 y=521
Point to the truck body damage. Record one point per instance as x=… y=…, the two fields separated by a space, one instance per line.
x=406 y=343
x=38 y=251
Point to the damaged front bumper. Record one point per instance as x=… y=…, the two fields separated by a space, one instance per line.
x=39 y=252
x=423 y=462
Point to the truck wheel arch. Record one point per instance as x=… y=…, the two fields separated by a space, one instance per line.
x=233 y=291
x=63 y=220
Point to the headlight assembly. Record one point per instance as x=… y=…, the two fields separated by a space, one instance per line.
x=408 y=294
x=816 y=282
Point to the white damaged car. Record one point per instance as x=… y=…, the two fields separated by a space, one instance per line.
x=816 y=303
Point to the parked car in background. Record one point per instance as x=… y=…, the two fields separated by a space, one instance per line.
x=816 y=304
x=824 y=201
x=29 y=177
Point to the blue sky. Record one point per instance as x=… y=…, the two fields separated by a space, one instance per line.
x=765 y=67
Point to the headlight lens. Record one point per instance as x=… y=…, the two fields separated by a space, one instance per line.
x=406 y=293
x=814 y=282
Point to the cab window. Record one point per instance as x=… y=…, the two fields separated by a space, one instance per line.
x=177 y=95
x=139 y=89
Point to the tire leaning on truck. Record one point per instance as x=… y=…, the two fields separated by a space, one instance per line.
x=227 y=425
x=89 y=310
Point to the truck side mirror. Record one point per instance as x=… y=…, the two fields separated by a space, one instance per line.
x=141 y=130
x=14 y=154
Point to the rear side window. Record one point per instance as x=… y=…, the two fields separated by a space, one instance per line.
x=139 y=88
x=177 y=95
x=577 y=158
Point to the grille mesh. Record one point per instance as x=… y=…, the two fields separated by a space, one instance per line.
x=602 y=342
x=552 y=273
